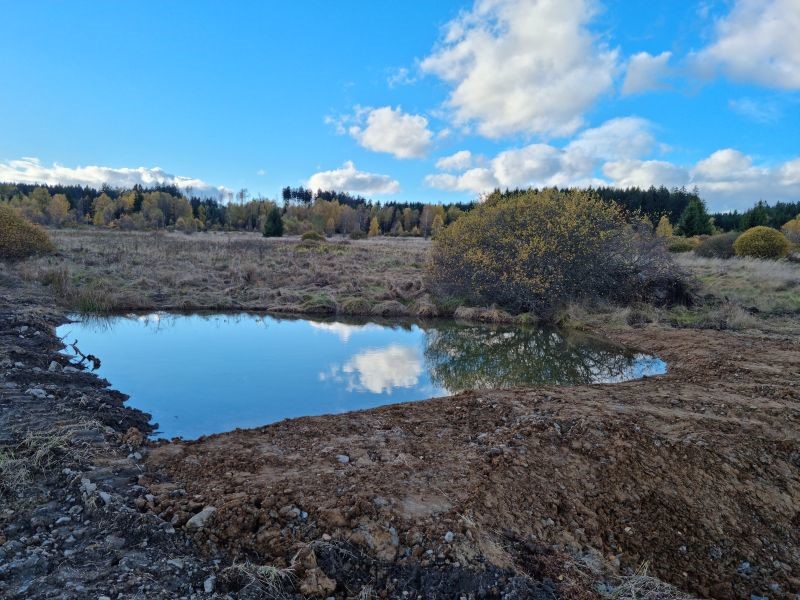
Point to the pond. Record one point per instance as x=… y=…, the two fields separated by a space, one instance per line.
x=204 y=374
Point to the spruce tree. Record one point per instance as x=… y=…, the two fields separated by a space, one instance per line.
x=695 y=220
x=273 y=225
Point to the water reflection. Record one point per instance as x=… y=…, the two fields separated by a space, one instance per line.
x=380 y=370
x=461 y=357
x=200 y=374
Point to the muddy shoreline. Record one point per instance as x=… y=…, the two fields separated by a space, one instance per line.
x=551 y=492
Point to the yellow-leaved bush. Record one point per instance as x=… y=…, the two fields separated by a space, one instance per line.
x=762 y=242
x=537 y=250
x=19 y=238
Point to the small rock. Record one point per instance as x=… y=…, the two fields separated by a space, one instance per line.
x=343 y=458
x=198 y=521
x=87 y=487
x=36 y=392
x=105 y=497
x=54 y=367
x=176 y=562
x=71 y=370
x=63 y=520
x=448 y=537
x=209 y=584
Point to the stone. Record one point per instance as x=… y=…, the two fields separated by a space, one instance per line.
x=209 y=584
x=448 y=537
x=71 y=370
x=343 y=458
x=176 y=562
x=54 y=367
x=36 y=392
x=198 y=521
x=105 y=497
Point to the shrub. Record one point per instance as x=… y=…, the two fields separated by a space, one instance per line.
x=762 y=242
x=664 y=227
x=536 y=251
x=312 y=236
x=20 y=238
x=791 y=229
x=358 y=235
x=681 y=244
x=717 y=246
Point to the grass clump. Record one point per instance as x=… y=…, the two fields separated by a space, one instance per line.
x=312 y=236
x=762 y=242
x=536 y=251
x=681 y=244
x=19 y=238
x=717 y=246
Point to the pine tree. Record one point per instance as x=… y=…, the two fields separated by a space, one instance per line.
x=695 y=220
x=755 y=217
x=273 y=225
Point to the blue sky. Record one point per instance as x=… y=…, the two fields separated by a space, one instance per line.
x=372 y=96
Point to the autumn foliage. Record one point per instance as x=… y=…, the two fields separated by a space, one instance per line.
x=761 y=242
x=19 y=237
x=539 y=250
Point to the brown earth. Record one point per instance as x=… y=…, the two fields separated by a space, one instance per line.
x=696 y=473
x=549 y=492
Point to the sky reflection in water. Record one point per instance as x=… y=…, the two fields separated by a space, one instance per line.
x=202 y=374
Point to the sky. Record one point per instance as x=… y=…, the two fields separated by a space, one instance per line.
x=411 y=101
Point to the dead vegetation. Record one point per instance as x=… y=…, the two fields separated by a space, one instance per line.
x=104 y=271
x=42 y=451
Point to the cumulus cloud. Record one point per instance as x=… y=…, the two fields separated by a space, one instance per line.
x=31 y=170
x=644 y=173
x=387 y=129
x=617 y=154
x=757 y=42
x=382 y=370
x=543 y=165
x=350 y=179
x=727 y=178
x=401 y=76
x=455 y=162
x=646 y=72
x=529 y=66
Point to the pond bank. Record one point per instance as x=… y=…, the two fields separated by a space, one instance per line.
x=552 y=492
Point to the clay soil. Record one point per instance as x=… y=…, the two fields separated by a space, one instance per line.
x=696 y=473
x=691 y=478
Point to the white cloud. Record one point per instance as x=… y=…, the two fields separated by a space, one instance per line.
x=644 y=173
x=646 y=72
x=616 y=154
x=757 y=42
x=350 y=179
x=384 y=369
x=344 y=331
x=623 y=137
x=542 y=165
x=390 y=130
x=31 y=170
x=527 y=66
x=459 y=161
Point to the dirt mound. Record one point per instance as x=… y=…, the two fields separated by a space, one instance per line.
x=696 y=473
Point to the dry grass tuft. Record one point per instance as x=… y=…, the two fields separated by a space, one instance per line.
x=271 y=581
x=642 y=586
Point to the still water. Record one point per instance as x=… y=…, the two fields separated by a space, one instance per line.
x=203 y=374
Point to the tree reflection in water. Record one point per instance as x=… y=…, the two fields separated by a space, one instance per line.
x=461 y=357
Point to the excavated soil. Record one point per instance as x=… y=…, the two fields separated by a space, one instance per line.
x=695 y=473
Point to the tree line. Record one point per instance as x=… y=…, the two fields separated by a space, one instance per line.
x=330 y=212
